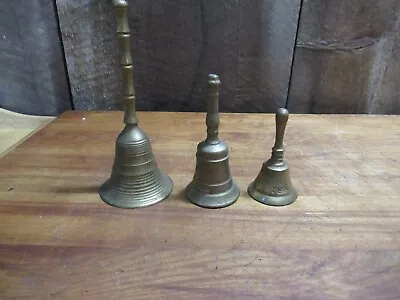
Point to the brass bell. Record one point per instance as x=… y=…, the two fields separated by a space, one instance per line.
x=212 y=185
x=135 y=180
x=273 y=186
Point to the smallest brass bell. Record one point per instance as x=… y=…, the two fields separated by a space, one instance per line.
x=273 y=186
x=212 y=185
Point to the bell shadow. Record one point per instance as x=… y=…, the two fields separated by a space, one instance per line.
x=78 y=190
x=180 y=196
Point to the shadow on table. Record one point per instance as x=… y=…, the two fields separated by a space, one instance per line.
x=94 y=189
x=77 y=190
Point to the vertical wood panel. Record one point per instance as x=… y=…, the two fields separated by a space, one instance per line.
x=347 y=57
x=88 y=33
x=32 y=73
x=385 y=90
x=267 y=38
x=165 y=42
x=218 y=53
x=173 y=41
x=174 y=45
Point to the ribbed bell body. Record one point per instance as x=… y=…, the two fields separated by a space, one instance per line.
x=212 y=185
x=135 y=181
x=272 y=185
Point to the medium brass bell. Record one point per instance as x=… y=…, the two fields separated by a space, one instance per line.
x=273 y=186
x=135 y=180
x=212 y=185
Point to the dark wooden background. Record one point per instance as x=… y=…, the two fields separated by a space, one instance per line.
x=313 y=56
x=33 y=77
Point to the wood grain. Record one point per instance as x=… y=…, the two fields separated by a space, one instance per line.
x=32 y=74
x=175 y=44
x=347 y=58
x=340 y=239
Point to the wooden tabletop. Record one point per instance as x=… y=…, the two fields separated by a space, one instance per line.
x=340 y=239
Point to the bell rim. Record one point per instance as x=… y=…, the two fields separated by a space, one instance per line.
x=212 y=201
x=272 y=200
x=139 y=202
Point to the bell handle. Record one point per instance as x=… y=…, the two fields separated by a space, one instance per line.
x=212 y=118
x=281 y=119
x=124 y=48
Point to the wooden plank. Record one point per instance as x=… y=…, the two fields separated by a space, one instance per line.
x=175 y=44
x=32 y=73
x=340 y=239
x=14 y=128
x=347 y=58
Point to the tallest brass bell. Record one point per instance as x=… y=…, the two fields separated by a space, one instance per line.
x=135 y=180
x=212 y=185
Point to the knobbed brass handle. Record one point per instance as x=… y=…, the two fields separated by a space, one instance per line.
x=281 y=119
x=124 y=48
x=212 y=119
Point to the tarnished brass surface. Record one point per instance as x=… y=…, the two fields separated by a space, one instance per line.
x=273 y=186
x=212 y=185
x=135 y=181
